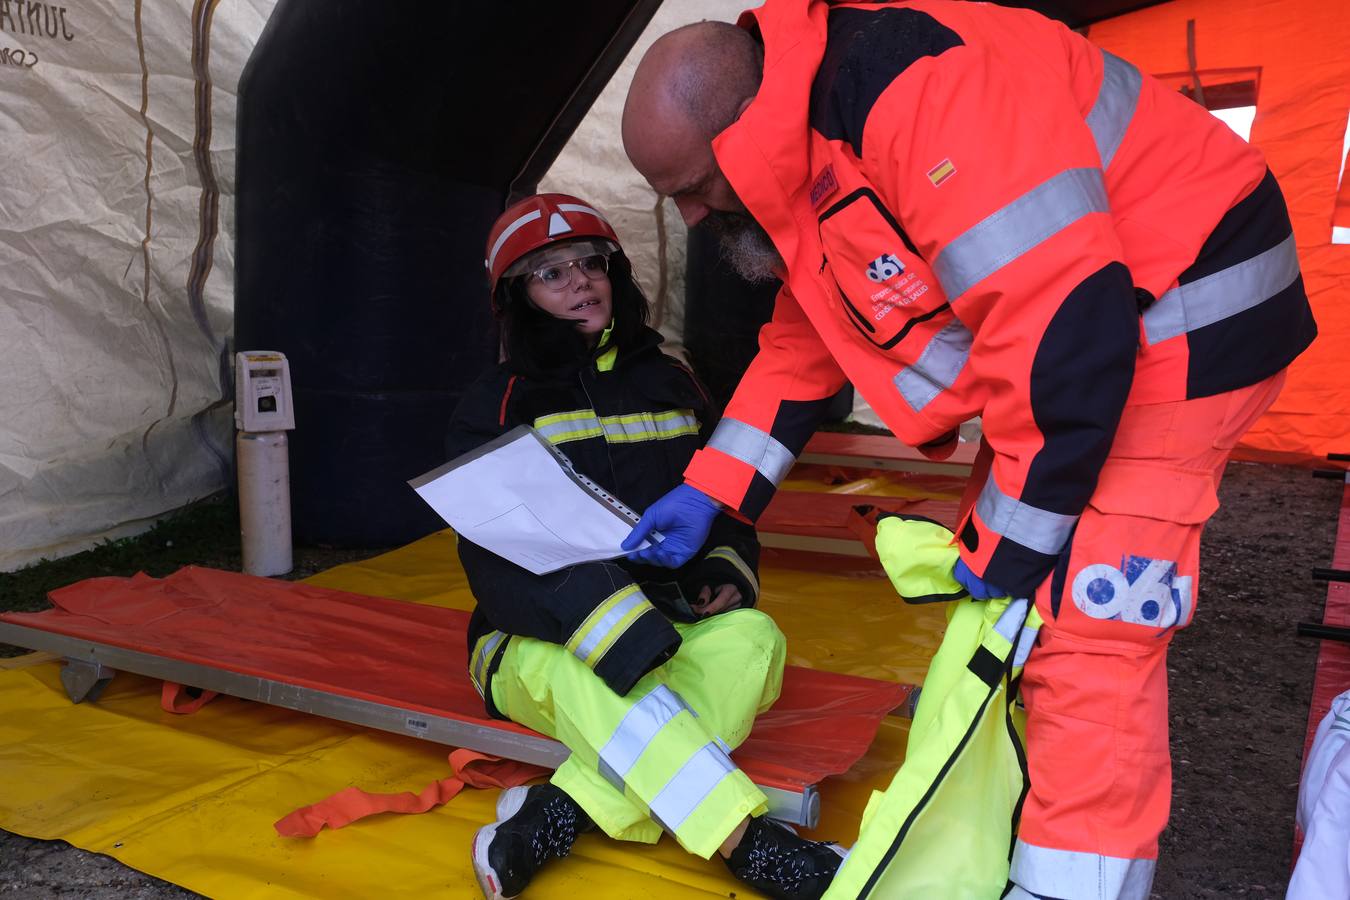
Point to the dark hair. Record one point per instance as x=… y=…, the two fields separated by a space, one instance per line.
x=537 y=344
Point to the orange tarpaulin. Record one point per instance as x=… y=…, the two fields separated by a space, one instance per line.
x=1299 y=48
x=413 y=657
x=1332 y=676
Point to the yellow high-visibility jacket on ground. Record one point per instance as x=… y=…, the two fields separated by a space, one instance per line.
x=945 y=826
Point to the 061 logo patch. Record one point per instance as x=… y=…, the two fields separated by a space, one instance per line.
x=1142 y=591
x=884 y=268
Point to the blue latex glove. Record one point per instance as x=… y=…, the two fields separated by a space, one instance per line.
x=683 y=516
x=978 y=587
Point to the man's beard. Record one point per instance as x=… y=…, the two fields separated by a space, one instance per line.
x=745 y=245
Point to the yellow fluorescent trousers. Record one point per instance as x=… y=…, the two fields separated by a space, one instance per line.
x=659 y=755
x=944 y=827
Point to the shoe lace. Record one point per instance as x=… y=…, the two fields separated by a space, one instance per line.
x=773 y=861
x=558 y=831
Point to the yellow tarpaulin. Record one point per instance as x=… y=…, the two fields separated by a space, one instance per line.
x=192 y=799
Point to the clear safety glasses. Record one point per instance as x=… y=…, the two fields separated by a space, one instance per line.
x=558 y=276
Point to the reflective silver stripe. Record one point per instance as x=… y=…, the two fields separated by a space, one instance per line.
x=1011 y=625
x=560 y=428
x=608 y=622
x=1026 y=641
x=1225 y=293
x=486 y=647
x=731 y=556
x=637 y=729
x=1011 y=618
x=1114 y=107
x=1082 y=876
x=577 y=207
x=691 y=785
x=937 y=367
x=608 y=773
x=1039 y=529
x=753 y=447
x=510 y=230
x=649 y=426
x=1003 y=236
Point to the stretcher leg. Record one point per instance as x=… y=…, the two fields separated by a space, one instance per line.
x=85 y=679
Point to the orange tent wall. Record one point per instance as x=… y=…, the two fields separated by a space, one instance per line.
x=1303 y=50
x=1342 y=216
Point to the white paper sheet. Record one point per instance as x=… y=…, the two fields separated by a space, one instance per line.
x=520 y=498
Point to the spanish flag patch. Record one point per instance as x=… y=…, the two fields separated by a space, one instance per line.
x=941 y=172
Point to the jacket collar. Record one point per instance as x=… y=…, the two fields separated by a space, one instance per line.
x=608 y=358
x=765 y=153
x=644 y=344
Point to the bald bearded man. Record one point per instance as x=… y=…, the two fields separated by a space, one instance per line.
x=976 y=212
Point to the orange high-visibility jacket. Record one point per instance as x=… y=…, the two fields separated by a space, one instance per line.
x=982 y=213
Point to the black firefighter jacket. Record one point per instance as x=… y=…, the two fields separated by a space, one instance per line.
x=630 y=423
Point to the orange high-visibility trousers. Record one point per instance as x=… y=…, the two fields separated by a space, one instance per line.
x=1095 y=686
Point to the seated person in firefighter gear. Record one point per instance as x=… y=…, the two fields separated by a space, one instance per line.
x=649 y=676
x=975 y=211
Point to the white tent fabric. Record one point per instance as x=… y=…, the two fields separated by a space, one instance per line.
x=116 y=224
x=116 y=247
x=117 y=300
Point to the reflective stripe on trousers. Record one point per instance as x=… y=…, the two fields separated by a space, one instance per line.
x=560 y=428
x=1071 y=875
x=697 y=775
x=607 y=623
x=753 y=446
x=645 y=734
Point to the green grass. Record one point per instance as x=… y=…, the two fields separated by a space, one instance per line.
x=206 y=533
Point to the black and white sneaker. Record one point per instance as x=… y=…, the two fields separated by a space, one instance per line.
x=534 y=824
x=772 y=859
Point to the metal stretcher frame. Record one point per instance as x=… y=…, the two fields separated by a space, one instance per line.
x=871 y=451
x=816 y=523
x=787 y=523
x=90 y=665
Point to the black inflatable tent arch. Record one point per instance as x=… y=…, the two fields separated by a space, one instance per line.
x=376 y=144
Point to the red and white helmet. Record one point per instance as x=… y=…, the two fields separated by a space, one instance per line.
x=539 y=221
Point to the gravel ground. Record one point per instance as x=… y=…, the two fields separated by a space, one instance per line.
x=1240 y=681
